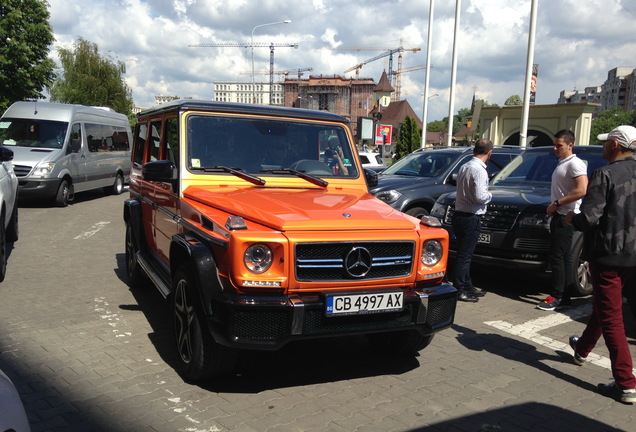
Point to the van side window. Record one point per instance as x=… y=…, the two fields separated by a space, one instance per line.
x=94 y=136
x=155 y=143
x=76 y=139
x=171 y=151
x=140 y=144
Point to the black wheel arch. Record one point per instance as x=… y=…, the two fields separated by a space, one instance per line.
x=187 y=248
x=134 y=217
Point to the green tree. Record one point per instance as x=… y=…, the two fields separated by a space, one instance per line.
x=25 y=32
x=513 y=100
x=608 y=120
x=409 y=138
x=87 y=78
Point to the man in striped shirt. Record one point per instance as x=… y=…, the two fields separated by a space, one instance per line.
x=470 y=205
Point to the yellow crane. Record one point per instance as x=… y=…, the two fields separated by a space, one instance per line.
x=397 y=86
x=298 y=72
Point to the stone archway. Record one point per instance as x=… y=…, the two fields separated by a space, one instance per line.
x=535 y=139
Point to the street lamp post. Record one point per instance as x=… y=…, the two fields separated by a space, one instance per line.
x=252 y=45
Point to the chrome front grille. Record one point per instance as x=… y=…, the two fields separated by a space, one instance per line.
x=532 y=244
x=22 y=170
x=346 y=261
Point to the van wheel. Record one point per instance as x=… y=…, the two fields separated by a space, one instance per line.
x=406 y=342
x=417 y=212
x=3 y=249
x=64 y=194
x=580 y=270
x=136 y=276
x=12 y=229
x=198 y=355
x=117 y=188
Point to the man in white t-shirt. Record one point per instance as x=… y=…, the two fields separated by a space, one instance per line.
x=569 y=183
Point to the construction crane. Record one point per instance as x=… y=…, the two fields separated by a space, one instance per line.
x=298 y=72
x=397 y=85
x=388 y=53
x=271 y=46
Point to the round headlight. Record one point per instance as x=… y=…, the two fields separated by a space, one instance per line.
x=432 y=252
x=258 y=258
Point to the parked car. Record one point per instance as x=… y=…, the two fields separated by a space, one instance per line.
x=9 y=207
x=12 y=415
x=372 y=161
x=413 y=183
x=61 y=149
x=515 y=230
x=252 y=251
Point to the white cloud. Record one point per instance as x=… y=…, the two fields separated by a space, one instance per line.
x=576 y=44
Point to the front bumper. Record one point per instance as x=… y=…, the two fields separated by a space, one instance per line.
x=38 y=188
x=269 y=323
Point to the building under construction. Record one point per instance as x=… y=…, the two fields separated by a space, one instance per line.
x=348 y=97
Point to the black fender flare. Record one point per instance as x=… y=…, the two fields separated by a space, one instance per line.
x=186 y=247
x=134 y=217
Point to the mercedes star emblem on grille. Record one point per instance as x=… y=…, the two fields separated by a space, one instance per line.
x=357 y=263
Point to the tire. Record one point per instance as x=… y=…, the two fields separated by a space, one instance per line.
x=198 y=355
x=136 y=276
x=64 y=194
x=3 y=249
x=117 y=188
x=407 y=342
x=417 y=212
x=580 y=270
x=12 y=229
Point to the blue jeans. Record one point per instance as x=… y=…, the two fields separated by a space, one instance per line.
x=467 y=227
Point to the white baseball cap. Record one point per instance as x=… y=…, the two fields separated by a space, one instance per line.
x=624 y=135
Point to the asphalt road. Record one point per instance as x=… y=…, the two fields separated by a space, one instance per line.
x=89 y=354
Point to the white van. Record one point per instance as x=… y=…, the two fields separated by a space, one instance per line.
x=60 y=149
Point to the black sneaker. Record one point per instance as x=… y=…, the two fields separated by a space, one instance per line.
x=579 y=360
x=476 y=292
x=549 y=304
x=613 y=391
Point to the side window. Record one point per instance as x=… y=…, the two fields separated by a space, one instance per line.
x=94 y=137
x=496 y=163
x=76 y=139
x=171 y=151
x=464 y=160
x=141 y=131
x=155 y=140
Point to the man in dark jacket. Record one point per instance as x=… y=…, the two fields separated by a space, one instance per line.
x=607 y=218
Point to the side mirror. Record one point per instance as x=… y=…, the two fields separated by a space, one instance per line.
x=453 y=179
x=159 y=171
x=371 y=177
x=6 y=154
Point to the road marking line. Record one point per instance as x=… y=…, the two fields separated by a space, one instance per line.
x=530 y=331
x=91 y=231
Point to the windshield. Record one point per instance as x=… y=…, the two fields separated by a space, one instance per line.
x=536 y=167
x=32 y=133
x=423 y=164
x=258 y=146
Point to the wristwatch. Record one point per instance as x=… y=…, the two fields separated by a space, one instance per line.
x=556 y=203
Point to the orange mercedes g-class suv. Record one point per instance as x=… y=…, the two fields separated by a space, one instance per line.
x=256 y=225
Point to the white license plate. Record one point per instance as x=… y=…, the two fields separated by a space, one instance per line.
x=354 y=304
x=484 y=238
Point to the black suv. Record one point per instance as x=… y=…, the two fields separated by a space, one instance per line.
x=413 y=183
x=515 y=230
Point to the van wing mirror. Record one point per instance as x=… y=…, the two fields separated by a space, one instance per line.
x=6 y=154
x=159 y=171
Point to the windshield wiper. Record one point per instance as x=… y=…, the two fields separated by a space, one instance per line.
x=311 y=179
x=248 y=177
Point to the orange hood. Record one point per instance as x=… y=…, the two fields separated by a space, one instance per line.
x=290 y=209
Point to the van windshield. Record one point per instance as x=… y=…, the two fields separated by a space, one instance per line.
x=32 y=133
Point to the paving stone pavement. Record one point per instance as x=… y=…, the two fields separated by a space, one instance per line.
x=88 y=354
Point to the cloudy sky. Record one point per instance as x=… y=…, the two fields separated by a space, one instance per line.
x=577 y=42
